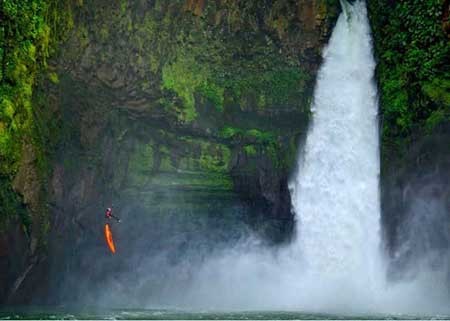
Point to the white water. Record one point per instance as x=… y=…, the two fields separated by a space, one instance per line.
x=335 y=264
x=335 y=192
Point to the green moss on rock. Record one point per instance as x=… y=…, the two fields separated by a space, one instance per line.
x=11 y=207
x=28 y=36
x=214 y=157
x=140 y=164
x=250 y=150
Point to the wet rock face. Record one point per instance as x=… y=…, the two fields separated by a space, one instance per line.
x=414 y=152
x=13 y=256
x=416 y=205
x=185 y=116
x=216 y=89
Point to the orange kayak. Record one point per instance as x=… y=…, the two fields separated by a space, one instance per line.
x=109 y=239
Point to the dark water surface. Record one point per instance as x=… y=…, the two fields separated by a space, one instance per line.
x=63 y=313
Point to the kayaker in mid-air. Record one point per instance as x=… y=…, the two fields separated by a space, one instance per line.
x=109 y=215
x=108 y=234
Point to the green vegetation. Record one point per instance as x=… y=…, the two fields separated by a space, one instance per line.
x=11 y=206
x=140 y=165
x=413 y=68
x=23 y=32
x=214 y=157
x=230 y=132
x=226 y=56
x=203 y=65
x=186 y=77
x=29 y=31
x=274 y=86
x=260 y=136
x=193 y=180
x=266 y=143
x=207 y=156
x=250 y=150
x=251 y=135
x=259 y=82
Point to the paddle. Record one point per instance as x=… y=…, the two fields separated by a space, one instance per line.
x=116 y=218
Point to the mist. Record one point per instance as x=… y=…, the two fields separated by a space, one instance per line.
x=338 y=261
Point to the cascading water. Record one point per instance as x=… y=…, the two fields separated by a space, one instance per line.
x=335 y=193
x=335 y=263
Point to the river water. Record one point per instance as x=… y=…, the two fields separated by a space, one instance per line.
x=39 y=313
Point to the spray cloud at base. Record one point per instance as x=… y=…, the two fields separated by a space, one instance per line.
x=336 y=262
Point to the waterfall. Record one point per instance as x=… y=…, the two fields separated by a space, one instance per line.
x=335 y=192
x=335 y=263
